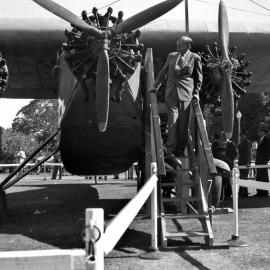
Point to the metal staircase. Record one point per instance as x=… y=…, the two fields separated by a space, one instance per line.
x=186 y=181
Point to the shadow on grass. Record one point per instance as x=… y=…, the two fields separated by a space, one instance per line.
x=248 y=202
x=133 y=239
x=192 y=260
x=54 y=214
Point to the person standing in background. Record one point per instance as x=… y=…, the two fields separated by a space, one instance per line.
x=244 y=158
x=262 y=158
x=21 y=155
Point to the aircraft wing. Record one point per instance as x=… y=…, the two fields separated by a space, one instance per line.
x=30 y=46
x=251 y=38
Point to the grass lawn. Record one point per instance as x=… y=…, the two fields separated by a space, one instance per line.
x=50 y=214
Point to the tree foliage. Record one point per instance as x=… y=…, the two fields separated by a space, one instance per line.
x=11 y=143
x=38 y=118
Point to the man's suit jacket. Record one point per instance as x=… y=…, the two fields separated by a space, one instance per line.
x=185 y=77
x=244 y=152
x=263 y=151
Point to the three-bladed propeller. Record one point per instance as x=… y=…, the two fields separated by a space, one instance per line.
x=146 y=16
x=103 y=70
x=227 y=101
x=70 y=17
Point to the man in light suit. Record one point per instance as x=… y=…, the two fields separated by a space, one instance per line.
x=184 y=79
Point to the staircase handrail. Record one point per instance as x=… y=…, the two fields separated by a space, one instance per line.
x=155 y=119
x=203 y=137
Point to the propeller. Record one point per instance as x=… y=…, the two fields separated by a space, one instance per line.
x=227 y=101
x=146 y=16
x=70 y=17
x=103 y=72
x=103 y=87
x=103 y=69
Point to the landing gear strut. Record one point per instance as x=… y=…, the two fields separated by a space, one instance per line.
x=12 y=179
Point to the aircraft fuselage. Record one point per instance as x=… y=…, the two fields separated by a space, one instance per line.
x=84 y=149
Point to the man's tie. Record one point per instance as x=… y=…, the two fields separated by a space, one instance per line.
x=180 y=61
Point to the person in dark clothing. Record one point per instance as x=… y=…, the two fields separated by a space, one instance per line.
x=57 y=168
x=244 y=150
x=231 y=152
x=216 y=143
x=262 y=158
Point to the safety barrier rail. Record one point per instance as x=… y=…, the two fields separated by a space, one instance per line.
x=101 y=243
x=31 y=164
x=236 y=183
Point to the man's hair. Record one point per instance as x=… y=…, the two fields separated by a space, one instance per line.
x=186 y=39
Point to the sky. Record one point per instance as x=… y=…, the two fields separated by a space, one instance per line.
x=255 y=10
x=9 y=109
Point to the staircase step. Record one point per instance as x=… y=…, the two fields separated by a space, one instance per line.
x=178 y=199
x=191 y=199
x=180 y=216
x=189 y=183
x=171 y=170
x=187 y=234
x=173 y=184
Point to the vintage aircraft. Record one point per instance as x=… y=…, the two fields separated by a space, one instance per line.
x=103 y=52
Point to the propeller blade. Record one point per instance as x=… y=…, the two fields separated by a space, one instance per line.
x=68 y=16
x=227 y=99
x=227 y=105
x=102 y=90
x=146 y=16
x=223 y=29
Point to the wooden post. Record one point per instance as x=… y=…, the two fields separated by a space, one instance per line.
x=60 y=259
x=148 y=122
x=94 y=226
x=116 y=228
x=235 y=187
x=154 y=209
